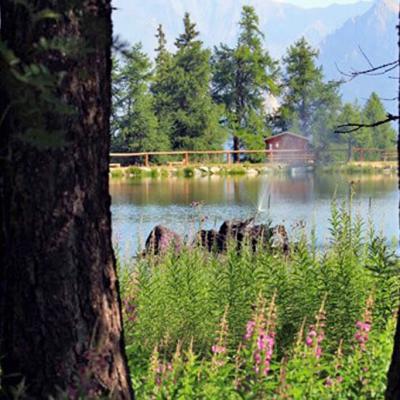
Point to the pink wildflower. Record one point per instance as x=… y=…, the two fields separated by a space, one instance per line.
x=265 y=347
x=316 y=333
x=328 y=382
x=216 y=349
x=249 y=330
x=364 y=327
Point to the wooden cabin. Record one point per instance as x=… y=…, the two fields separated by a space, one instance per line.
x=289 y=148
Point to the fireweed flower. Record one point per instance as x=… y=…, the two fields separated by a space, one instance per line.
x=316 y=333
x=364 y=327
x=130 y=310
x=262 y=332
x=219 y=349
x=249 y=330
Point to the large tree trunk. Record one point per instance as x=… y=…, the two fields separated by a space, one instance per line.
x=393 y=386
x=60 y=325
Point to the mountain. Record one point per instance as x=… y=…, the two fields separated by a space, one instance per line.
x=374 y=32
x=217 y=20
x=337 y=30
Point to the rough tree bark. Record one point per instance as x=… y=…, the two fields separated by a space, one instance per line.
x=60 y=325
x=393 y=386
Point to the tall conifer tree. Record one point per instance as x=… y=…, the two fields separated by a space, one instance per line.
x=134 y=123
x=310 y=106
x=243 y=77
x=194 y=116
x=161 y=86
x=382 y=136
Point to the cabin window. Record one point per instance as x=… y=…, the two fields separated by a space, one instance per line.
x=271 y=146
x=277 y=145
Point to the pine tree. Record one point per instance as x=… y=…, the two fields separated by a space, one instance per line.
x=187 y=38
x=161 y=86
x=352 y=113
x=382 y=136
x=309 y=105
x=135 y=126
x=194 y=116
x=161 y=50
x=243 y=76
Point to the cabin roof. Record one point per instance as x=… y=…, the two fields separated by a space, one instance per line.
x=289 y=134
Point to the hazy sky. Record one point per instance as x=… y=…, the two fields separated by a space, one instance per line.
x=317 y=3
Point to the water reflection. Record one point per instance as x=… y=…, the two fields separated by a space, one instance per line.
x=139 y=205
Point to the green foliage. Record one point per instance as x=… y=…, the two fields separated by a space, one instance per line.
x=30 y=86
x=191 y=101
x=182 y=100
x=161 y=86
x=351 y=113
x=382 y=136
x=188 y=172
x=243 y=76
x=310 y=106
x=134 y=123
x=195 y=116
x=178 y=300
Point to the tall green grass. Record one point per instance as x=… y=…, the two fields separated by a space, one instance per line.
x=179 y=300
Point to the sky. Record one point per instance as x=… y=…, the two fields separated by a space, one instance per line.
x=317 y=3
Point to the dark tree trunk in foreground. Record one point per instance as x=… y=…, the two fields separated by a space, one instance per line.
x=393 y=386
x=60 y=317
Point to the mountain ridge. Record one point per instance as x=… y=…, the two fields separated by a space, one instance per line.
x=337 y=30
x=361 y=42
x=217 y=21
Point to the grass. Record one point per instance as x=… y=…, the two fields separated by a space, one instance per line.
x=360 y=167
x=260 y=325
x=234 y=170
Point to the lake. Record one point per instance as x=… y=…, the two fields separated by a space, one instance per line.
x=291 y=200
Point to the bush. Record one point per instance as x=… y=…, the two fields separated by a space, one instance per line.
x=188 y=172
x=134 y=172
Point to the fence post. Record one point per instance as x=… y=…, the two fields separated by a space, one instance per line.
x=146 y=160
x=186 y=159
x=229 y=158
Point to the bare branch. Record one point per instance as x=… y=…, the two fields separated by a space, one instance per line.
x=352 y=127
x=365 y=56
x=374 y=71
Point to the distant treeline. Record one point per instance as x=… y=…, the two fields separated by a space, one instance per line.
x=197 y=99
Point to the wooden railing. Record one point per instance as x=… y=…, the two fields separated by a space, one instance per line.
x=273 y=156
x=284 y=156
x=364 y=154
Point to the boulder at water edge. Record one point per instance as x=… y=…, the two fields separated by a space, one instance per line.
x=161 y=239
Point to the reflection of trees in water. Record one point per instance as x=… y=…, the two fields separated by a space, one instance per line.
x=246 y=190
x=300 y=189
x=326 y=185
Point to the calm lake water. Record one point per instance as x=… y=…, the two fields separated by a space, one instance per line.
x=139 y=205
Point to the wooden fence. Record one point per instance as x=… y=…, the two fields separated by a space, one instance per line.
x=187 y=158
x=365 y=154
